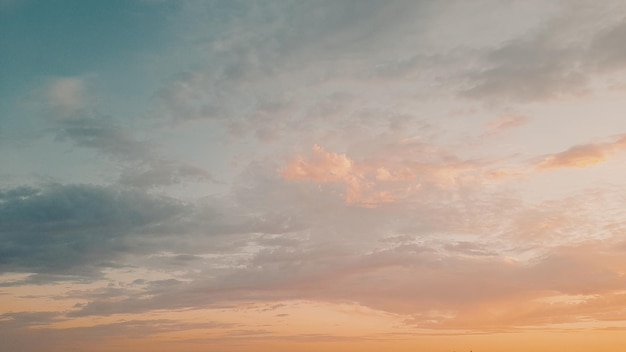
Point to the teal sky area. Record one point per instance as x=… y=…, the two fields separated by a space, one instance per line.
x=69 y=38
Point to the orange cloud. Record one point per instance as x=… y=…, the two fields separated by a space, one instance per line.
x=583 y=155
x=321 y=167
x=325 y=167
x=577 y=156
x=366 y=184
x=386 y=178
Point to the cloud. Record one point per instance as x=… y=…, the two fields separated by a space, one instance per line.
x=583 y=155
x=505 y=123
x=395 y=172
x=525 y=70
x=269 y=64
x=435 y=262
x=558 y=59
x=359 y=179
x=324 y=167
x=77 y=229
x=163 y=172
x=604 y=51
x=433 y=289
x=139 y=328
x=392 y=208
x=67 y=95
x=19 y=320
x=77 y=232
x=576 y=156
x=68 y=112
x=144 y=166
x=103 y=134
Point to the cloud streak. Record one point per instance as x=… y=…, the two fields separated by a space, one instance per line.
x=583 y=155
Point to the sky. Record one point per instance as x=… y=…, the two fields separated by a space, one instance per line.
x=276 y=175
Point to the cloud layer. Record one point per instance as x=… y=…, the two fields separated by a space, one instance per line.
x=327 y=172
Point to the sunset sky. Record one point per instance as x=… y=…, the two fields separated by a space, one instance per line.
x=324 y=175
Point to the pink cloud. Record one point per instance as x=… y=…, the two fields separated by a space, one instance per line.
x=387 y=177
x=321 y=166
x=328 y=167
x=325 y=167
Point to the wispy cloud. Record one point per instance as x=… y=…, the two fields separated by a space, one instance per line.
x=583 y=155
x=67 y=95
x=84 y=127
x=556 y=60
x=505 y=123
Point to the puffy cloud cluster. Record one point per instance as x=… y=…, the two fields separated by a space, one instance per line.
x=395 y=173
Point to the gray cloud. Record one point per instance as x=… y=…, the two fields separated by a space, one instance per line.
x=555 y=60
x=74 y=232
x=20 y=320
x=27 y=331
x=276 y=241
x=605 y=51
x=252 y=83
x=140 y=328
x=525 y=70
x=143 y=167
x=75 y=229
x=104 y=135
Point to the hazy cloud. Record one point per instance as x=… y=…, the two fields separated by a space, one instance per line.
x=525 y=70
x=143 y=166
x=505 y=123
x=555 y=60
x=67 y=95
x=606 y=53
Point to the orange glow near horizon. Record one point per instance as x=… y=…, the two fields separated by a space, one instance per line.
x=303 y=326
